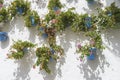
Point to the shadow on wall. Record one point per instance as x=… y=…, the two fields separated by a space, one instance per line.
x=41 y=3
x=91 y=69
x=24 y=67
x=5 y=44
x=70 y=1
x=113 y=39
x=55 y=70
x=92 y=7
x=33 y=33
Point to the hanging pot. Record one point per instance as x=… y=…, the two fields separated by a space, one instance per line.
x=88 y=22
x=90 y=1
x=3 y=36
x=52 y=50
x=55 y=8
x=20 y=10
x=91 y=57
x=32 y=19
x=25 y=50
x=45 y=35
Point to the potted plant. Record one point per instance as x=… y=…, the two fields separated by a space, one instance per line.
x=19 y=7
x=19 y=48
x=54 y=5
x=109 y=17
x=89 y=49
x=3 y=36
x=32 y=19
x=45 y=54
x=3 y=15
x=83 y=22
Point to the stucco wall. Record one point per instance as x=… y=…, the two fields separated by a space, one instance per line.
x=106 y=66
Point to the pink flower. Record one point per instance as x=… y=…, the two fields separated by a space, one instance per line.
x=57 y=12
x=54 y=21
x=79 y=45
x=1 y=5
x=92 y=42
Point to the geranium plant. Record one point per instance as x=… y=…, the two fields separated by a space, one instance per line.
x=89 y=49
x=109 y=17
x=45 y=54
x=19 y=7
x=54 y=5
x=84 y=22
x=32 y=19
x=19 y=48
x=3 y=15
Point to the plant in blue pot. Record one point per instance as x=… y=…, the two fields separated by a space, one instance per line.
x=3 y=15
x=92 y=53
x=44 y=57
x=54 y=5
x=19 y=7
x=32 y=19
x=88 y=22
x=3 y=36
x=19 y=48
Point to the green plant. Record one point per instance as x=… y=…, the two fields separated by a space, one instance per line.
x=1 y=1
x=44 y=55
x=79 y=23
x=54 y=3
x=3 y=15
x=95 y=42
x=16 y=5
x=18 y=49
x=35 y=16
x=109 y=17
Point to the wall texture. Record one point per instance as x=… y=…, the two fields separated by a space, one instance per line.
x=106 y=66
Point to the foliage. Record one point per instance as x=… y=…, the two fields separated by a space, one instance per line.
x=1 y=1
x=109 y=17
x=3 y=15
x=79 y=23
x=17 y=49
x=96 y=43
x=45 y=54
x=15 y=5
x=54 y=3
x=35 y=16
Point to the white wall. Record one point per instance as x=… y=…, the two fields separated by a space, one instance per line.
x=105 y=67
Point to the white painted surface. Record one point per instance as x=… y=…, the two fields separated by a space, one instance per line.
x=106 y=66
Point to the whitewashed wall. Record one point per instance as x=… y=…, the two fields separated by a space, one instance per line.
x=106 y=66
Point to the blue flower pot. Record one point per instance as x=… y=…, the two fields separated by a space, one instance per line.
x=88 y=22
x=109 y=13
x=32 y=21
x=44 y=35
x=3 y=36
x=91 y=57
x=90 y=1
x=25 y=50
x=20 y=10
x=93 y=49
x=55 y=8
x=52 y=50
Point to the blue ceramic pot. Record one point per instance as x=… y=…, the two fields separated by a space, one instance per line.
x=20 y=10
x=3 y=36
x=91 y=57
x=45 y=35
x=32 y=21
x=25 y=50
x=52 y=50
x=88 y=22
x=55 y=8
x=90 y=1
